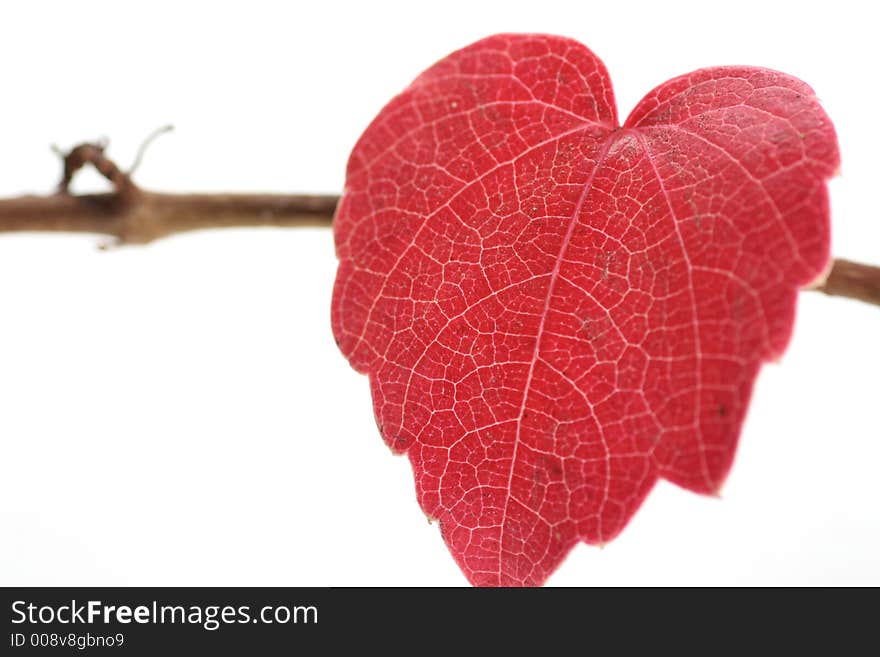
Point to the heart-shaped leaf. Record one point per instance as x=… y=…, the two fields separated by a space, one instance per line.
x=555 y=310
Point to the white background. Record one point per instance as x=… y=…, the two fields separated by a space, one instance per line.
x=178 y=414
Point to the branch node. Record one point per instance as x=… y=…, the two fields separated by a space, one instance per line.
x=93 y=153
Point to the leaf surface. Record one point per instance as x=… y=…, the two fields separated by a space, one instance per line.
x=555 y=310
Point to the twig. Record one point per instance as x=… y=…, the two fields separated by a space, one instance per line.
x=132 y=215
x=151 y=216
x=853 y=280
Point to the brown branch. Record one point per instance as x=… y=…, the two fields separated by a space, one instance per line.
x=132 y=215
x=143 y=216
x=853 y=280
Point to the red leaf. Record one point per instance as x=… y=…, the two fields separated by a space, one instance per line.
x=553 y=310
